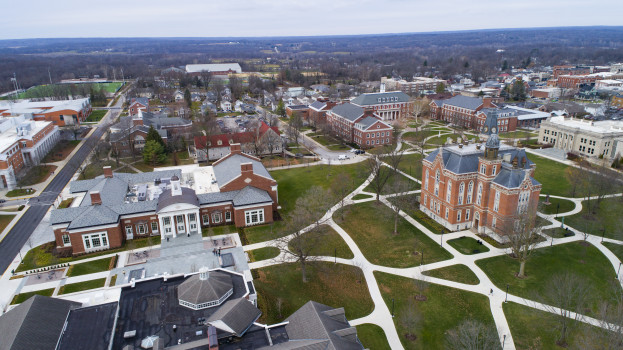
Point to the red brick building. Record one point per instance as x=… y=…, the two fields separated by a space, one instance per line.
x=484 y=187
x=460 y=110
x=61 y=113
x=318 y=110
x=117 y=206
x=354 y=124
x=138 y=103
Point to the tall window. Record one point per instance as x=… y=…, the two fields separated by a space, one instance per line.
x=94 y=241
x=493 y=170
x=141 y=229
x=252 y=217
x=66 y=240
x=496 y=203
x=179 y=219
x=449 y=191
x=458 y=216
x=216 y=218
x=426 y=180
x=166 y=221
x=228 y=216
x=479 y=196
x=437 y=183
x=154 y=227
x=461 y=192
x=447 y=212
x=470 y=190
x=128 y=229
x=467 y=215
x=483 y=169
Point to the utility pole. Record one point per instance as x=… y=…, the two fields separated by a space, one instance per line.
x=122 y=76
x=50 y=75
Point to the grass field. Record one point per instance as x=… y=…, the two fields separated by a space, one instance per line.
x=82 y=286
x=411 y=164
x=371 y=226
x=48 y=90
x=37 y=174
x=94 y=170
x=413 y=211
x=608 y=217
x=552 y=175
x=413 y=135
x=457 y=273
x=62 y=149
x=372 y=337
x=562 y=205
x=20 y=298
x=444 y=309
x=86 y=268
x=294 y=182
x=519 y=134
x=18 y=192
x=218 y=230
x=361 y=196
x=522 y=320
x=263 y=253
x=395 y=179
x=616 y=249
x=96 y=115
x=331 y=244
x=331 y=284
x=579 y=258
x=442 y=140
x=468 y=246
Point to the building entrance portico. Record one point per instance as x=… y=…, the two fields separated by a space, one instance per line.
x=173 y=223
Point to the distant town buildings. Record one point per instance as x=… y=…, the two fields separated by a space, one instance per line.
x=61 y=113
x=484 y=187
x=214 y=69
x=585 y=137
x=263 y=140
x=416 y=87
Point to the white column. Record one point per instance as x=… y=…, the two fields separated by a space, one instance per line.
x=161 y=228
x=198 y=221
x=186 y=223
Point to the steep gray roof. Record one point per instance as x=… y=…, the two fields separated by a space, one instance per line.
x=196 y=291
x=468 y=163
x=251 y=195
x=509 y=177
x=461 y=101
x=317 y=105
x=321 y=322
x=216 y=197
x=142 y=100
x=229 y=168
x=373 y=99
x=367 y=122
x=188 y=196
x=35 y=323
x=238 y=314
x=348 y=111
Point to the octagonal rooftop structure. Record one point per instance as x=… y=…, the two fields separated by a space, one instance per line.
x=204 y=290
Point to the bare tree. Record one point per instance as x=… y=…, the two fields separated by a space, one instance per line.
x=272 y=141
x=304 y=222
x=419 y=106
x=575 y=178
x=473 y=335
x=566 y=295
x=400 y=201
x=340 y=189
x=609 y=334
x=522 y=234
x=411 y=319
x=380 y=174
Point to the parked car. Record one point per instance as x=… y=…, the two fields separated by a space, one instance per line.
x=342 y=157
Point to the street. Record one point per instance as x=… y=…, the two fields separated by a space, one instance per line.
x=19 y=234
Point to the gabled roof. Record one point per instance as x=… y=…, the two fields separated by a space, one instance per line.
x=142 y=100
x=251 y=195
x=228 y=168
x=461 y=101
x=315 y=321
x=348 y=111
x=317 y=105
x=35 y=323
x=238 y=314
x=510 y=177
x=368 y=121
x=373 y=98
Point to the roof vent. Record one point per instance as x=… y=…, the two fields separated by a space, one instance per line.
x=460 y=145
x=478 y=146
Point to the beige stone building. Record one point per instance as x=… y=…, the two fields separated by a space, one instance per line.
x=584 y=137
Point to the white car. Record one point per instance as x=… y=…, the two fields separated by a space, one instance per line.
x=342 y=157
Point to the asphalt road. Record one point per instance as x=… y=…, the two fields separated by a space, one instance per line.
x=39 y=206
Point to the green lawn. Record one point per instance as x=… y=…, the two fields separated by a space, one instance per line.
x=325 y=140
x=413 y=135
x=94 y=170
x=36 y=174
x=536 y=329
x=331 y=284
x=372 y=337
x=47 y=90
x=41 y=256
x=263 y=253
x=579 y=258
x=62 y=149
x=66 y=203
x=411 y=164
x=442 y=140
x=468 y=246
x=556 y=204
x=457 y=273
x=371 y=225
x=86 y=268
x=96 y=115
x=218 y=230
x=82 y=286
x=5 y=220
x=389 y=187
x=558 y=232
x=361 y=196
x=608 y=216
x=339 y=147
x=444 y=309
x=519 y=134
x=552 y=175
x=414 y=212
x=20 y=298
x=294 y=182
x=331 y=244
x=18 y=192
x=616 y=249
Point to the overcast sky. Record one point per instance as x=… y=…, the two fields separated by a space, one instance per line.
x=236 y=18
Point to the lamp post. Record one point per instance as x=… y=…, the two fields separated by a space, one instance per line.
x=392 y=307
x=603 y=233
x=506 y=298
x=335 y=255
x=557 y=207
x=619 y=270
x=422 y=258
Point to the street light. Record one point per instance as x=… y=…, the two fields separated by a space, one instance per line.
x=392 y=307
x=422 y=260
x=619 y=270
x=506 y=298
x=557 y=207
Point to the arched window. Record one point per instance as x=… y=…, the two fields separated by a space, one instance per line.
x=496 y=203
x=426 y=180
x=461 y=192
x=479 y=196
x=449 y=191
x=470 y=190
x=437 y=183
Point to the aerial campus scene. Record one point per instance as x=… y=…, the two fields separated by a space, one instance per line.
x=326 y=175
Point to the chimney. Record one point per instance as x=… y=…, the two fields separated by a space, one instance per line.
x=95 y=198
x=107 y=171
x=246 y=168
x=486 y=102
x=234 y=148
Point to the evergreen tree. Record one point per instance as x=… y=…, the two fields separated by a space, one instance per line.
x=154 y=153
x=153 y=135
x=187 y=98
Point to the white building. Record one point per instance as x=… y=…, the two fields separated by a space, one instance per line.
x=585 y=137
